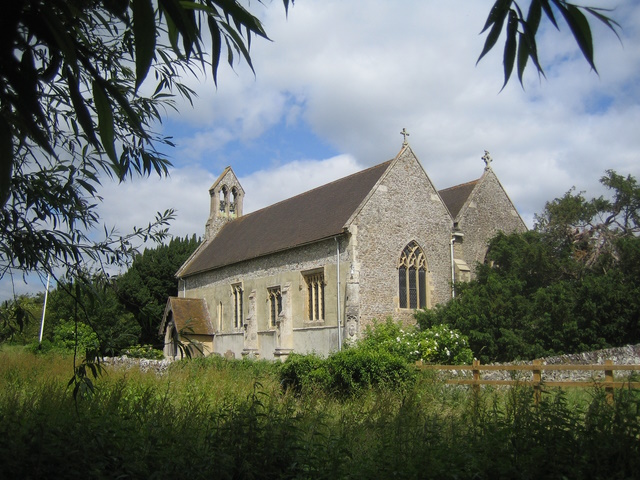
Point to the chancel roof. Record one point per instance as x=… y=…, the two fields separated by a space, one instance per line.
x=455 y=197
x=190 y=316
x=309 y=217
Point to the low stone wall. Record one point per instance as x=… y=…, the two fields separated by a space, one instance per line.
x=145 y=365
x=628 y=355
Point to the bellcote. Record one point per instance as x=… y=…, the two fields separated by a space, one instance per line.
x=227 y=196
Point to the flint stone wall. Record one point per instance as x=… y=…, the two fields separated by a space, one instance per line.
x=144 y=364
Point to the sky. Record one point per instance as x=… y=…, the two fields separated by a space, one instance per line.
x=338 y=81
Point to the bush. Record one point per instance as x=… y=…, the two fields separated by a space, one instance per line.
x=143 y=351
x=68 y=333
x=438 y=344
x=384 y=358
x=357 y=369
x=347 y=372
x=302 y=372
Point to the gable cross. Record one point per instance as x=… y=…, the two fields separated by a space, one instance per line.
x=405 y=134
x=487 y=160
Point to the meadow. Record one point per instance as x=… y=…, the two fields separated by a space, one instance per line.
x=214 y=418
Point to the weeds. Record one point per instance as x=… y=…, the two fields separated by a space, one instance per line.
x=231 y=419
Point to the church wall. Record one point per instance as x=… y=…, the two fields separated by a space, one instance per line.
x=489 y=211
x=203 y=342
x=267 y=343
x=404 y=207
x=230 y=341
x=320 y=340
x=256 y=277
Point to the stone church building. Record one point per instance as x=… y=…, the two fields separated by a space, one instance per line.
x=310 y=272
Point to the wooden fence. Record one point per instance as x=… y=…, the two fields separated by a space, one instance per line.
x=537 y=380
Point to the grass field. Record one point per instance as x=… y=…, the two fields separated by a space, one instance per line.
x=230 y=419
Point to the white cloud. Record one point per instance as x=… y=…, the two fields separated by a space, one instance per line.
x=136 y=202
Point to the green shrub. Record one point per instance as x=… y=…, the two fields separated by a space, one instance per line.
x=300 y=372
x=347 y=372
x=438 y=344
x=144 y=351
x=68 y=333
x=357 y=369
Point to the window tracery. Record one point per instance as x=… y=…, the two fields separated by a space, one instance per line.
x=315 y=296
x=275 y=305
x=412 y=277
x=238 y=320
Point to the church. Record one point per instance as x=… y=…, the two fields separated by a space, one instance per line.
x=309 y=273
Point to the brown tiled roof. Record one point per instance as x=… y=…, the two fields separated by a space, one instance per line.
x=455 y=197
x=190 y=315
x=311 y=216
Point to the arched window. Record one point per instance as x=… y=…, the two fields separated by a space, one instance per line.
x=234 y=202
x=224 y=198
x=412 y=277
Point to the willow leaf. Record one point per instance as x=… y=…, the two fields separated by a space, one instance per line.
x=105 y=123
x=144 y=35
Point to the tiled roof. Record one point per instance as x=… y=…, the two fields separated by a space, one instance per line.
x=311 y=216
x=190 y=316
x=455 y=197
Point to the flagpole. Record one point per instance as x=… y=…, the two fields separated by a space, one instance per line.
x=44 y=309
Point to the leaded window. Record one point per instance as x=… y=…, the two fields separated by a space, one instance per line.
x=315 y=296
x=275 y=304
x=412 y=277
x=238 y=320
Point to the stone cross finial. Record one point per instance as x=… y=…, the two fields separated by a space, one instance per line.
x=487 y=160
x=405 y=134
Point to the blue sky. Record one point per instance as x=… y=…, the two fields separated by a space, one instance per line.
x=339 y=81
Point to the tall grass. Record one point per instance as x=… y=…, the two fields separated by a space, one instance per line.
x=220 y=419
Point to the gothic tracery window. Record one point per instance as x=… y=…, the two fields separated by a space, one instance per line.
x=412 y=277
x=275 y=304
x=238 y=320
x=315 y=296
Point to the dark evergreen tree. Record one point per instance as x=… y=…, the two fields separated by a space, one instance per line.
x=144 y=289
x=93 y=302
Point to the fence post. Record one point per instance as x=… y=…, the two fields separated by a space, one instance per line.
x=537 y=378
x=476 y=376
x=608 y=382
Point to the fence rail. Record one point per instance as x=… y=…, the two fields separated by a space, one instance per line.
x=537 y=382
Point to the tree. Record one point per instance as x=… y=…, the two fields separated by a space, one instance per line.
x=18 y=318
x=593 y=229
x=144 y=289
x=92 y=302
